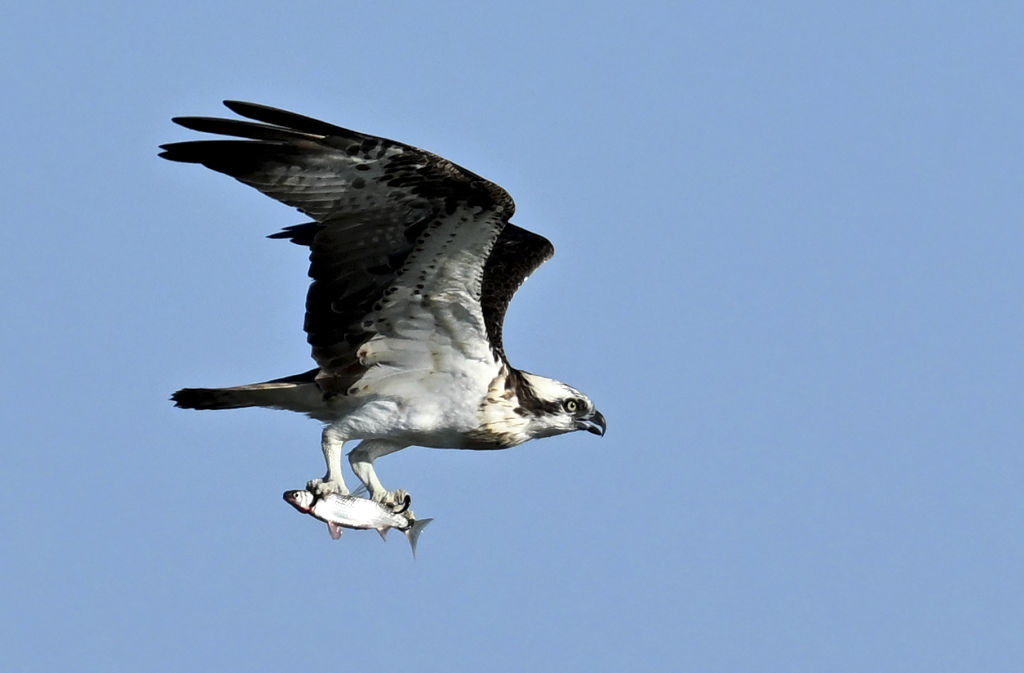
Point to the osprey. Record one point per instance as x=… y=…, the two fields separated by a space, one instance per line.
x=413 y=263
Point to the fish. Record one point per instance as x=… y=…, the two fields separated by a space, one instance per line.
x=347 y=511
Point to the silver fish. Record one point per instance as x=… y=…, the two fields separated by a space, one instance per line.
x=347 y=511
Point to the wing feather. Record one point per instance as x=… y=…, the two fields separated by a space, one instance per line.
x=404 y=244
x=516 y=254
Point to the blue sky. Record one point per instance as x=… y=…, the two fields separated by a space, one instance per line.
x=788 y=272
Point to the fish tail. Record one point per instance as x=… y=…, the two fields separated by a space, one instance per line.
x=414 y=532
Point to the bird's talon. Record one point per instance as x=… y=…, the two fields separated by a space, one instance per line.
x=398 y=500
x=322 y=487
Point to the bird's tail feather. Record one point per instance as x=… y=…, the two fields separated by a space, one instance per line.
x=291 y=392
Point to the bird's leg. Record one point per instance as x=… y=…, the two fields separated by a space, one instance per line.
x=333 y=443
x=362 y=458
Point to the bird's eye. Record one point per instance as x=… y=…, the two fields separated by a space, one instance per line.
x=571 y=406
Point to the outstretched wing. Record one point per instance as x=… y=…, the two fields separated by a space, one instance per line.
x=325 y=170
x=399 y=244
x=516 y=254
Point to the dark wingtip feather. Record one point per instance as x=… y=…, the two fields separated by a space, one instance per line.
x=190 y=152
x=285 y=119
x=237 y=158
x=243 y=107
x=240 y=129
x=186 y=398
x=204 y=124
x=174 y=152
x=300 y=234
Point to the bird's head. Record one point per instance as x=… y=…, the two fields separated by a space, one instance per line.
x=554 y=408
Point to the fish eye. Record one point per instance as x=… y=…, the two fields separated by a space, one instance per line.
x=571 y=405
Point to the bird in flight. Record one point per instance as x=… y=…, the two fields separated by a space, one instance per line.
x=413 y=263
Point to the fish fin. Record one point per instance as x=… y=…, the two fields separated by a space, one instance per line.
x=334 y=529
x=414 y=533
x=383 y=532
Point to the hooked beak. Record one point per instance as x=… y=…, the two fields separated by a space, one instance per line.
x=594 y=423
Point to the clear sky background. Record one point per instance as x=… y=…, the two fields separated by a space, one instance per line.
x=789 y=272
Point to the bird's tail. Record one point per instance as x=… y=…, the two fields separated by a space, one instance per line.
x=291 y=392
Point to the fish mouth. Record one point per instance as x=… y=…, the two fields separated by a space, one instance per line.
x=300 y=500
x=595 y=423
